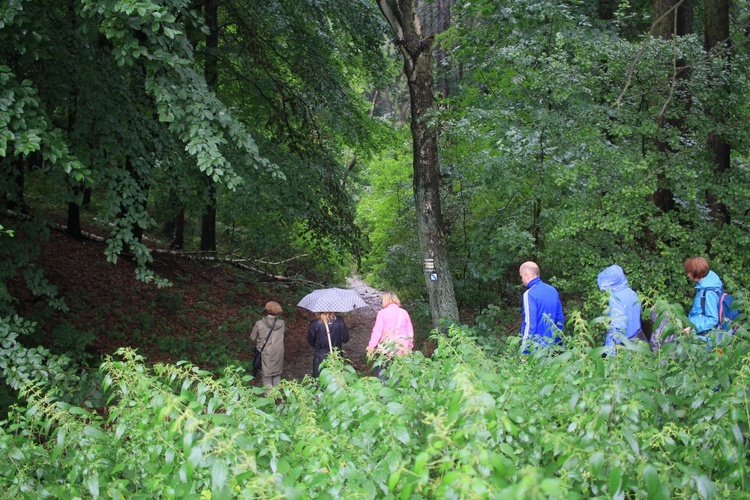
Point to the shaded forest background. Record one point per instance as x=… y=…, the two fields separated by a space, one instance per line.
x=275 y=139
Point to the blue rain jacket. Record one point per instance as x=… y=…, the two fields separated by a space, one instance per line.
x=624 y=306
x=712 y=286
x=542 y=314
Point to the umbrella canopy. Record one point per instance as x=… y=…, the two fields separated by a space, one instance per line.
x=332 y=300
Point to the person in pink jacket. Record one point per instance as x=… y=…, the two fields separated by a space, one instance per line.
x=393 y=333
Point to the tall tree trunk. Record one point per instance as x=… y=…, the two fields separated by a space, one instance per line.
x=717 y=37
x=208 y=221
x=443 y=24
x=74 y=209
x=74 y=220
x=15 y=198
x=86 y=198
x=179 y=230
x=672 y=18
x=665 y=25
x=416 y=52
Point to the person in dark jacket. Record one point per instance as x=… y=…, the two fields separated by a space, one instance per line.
x=542 y=312
x=704 y=314
x=327 y=331
x=624 y=308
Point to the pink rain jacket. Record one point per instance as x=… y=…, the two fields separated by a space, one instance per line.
x=384 y=332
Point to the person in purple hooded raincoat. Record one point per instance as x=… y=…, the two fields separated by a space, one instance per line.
x=624 y=308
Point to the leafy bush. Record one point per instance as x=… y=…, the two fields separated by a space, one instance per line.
x=169 y=303
x=461 y=423
x=67 y=339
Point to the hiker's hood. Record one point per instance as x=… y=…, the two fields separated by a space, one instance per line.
x=612 y=278
x=710 y=281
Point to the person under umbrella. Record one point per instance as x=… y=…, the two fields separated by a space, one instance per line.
x=326 y=331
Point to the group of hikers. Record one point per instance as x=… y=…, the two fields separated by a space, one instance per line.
x=541 y=325
x=392 y=334
x=543 y=318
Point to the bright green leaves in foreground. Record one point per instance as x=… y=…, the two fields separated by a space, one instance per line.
x=461 y=423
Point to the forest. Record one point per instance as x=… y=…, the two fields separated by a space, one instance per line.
x=166 y=166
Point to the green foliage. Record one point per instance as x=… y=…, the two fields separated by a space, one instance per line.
x=67 y=339
x=465 y=422
x=386 y=213
x=169 y=303
x=558 y=130
x=112 y=97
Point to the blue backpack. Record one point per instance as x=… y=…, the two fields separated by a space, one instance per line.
x=726 y=313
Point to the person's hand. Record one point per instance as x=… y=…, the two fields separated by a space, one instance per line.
x=523 y=360
x=686 y=330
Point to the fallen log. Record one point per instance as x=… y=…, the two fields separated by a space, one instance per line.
x=236 y=260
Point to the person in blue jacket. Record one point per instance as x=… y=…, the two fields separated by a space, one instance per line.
x=624 y=308
x=542 y=311
x=704 y=314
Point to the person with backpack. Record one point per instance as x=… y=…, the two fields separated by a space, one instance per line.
x=393 y=333
x=268 y=335
x=326 y=332
x=624 y=308
x=704 y=315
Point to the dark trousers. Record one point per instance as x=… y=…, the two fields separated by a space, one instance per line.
x=639 y=336
x=380 y=370
x=318 y=358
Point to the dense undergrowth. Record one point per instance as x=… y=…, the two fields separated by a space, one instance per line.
x=470 y=421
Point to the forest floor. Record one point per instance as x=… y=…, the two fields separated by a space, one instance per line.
x=205 y=317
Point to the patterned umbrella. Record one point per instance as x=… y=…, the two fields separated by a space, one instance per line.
x=332 y=300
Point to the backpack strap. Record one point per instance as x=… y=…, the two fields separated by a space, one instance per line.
x=721 y=307
x=328 y=333
x=719 y=293
x=269 y=333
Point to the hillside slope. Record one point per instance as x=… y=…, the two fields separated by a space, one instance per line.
x=204 y=317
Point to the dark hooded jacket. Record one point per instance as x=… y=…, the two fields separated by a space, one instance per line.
x=318 y=338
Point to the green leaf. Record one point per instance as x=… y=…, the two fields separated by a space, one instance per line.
x=219 y=474
x=705 y=487
x=651 y=477
x=395 y=408
x=630 y=438
x=596 y=463
x=95 y=433
x=400 y=433
x=615 y=479
x=420 y=462
x=92 y=483
x=393 y=480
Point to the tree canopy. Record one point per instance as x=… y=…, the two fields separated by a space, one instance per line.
x=579 y=139
x=115 y=99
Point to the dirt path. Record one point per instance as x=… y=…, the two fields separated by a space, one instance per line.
x=298 y=353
